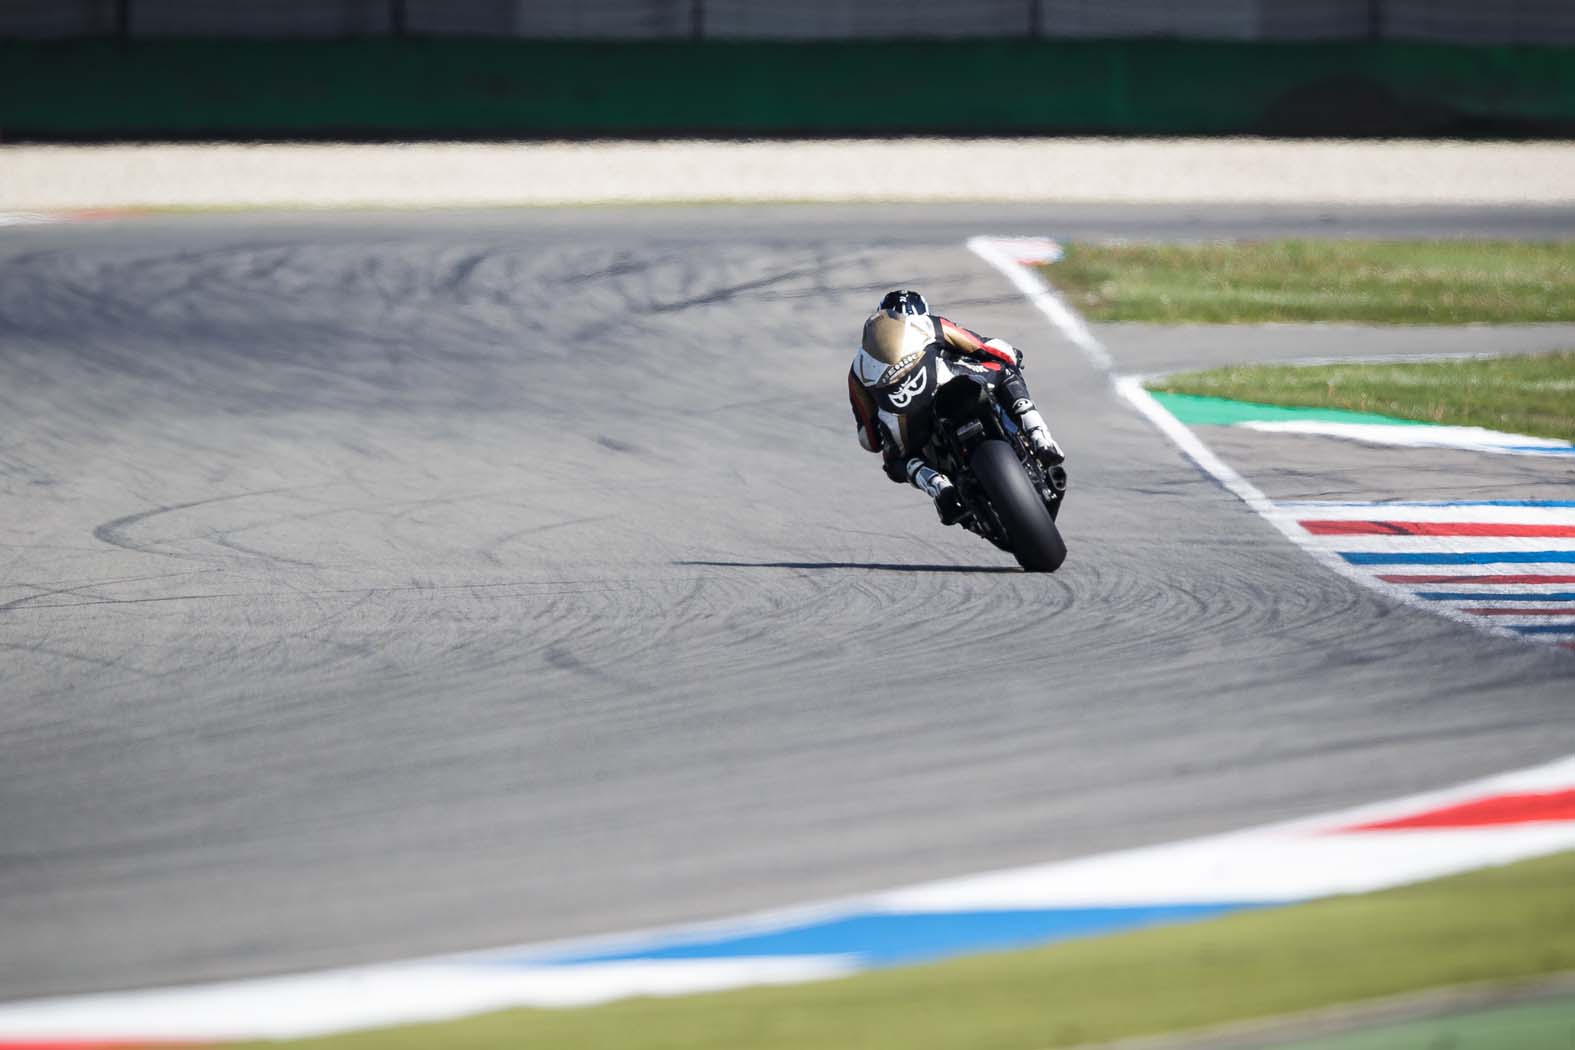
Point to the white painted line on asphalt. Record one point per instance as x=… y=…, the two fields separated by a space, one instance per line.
x=1379 y=541
x=1259 y=866
x=1131 y=388
x=1523 y=512
x=419 y=992
x=1406 y=435
x=996 y=251
x=999 y=253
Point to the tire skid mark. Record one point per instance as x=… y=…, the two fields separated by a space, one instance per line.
x=115 y=532
x=51 y=591
x=62 y=654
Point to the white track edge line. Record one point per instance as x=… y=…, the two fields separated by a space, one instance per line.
x=1038 y=291
x=1131 y=388
x=1072 y=326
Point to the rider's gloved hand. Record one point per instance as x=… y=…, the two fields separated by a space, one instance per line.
x=1001 y=346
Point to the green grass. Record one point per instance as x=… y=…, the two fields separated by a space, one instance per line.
x=1414 y=282
x=1532 y=1026
x=1503 y=923
x=1533 y=394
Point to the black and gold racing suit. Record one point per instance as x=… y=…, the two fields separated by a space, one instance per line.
x=883 y=345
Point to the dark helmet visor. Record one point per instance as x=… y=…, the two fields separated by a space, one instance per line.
x=905 y=301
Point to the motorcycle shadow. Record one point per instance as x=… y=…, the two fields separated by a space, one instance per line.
x=868 y=566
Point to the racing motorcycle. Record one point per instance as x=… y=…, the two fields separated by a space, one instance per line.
x=954 y=413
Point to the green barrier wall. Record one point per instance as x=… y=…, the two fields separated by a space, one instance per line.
x=379 y=88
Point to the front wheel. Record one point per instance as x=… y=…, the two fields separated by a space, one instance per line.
x=1036 y=542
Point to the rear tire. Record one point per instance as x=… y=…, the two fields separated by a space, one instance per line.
x=1036 y=542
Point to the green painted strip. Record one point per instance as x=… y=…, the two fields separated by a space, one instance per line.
x=1536 y=1026
x=1219 y=411
x=489 y=87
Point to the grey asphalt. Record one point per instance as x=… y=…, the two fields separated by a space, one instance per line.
x=377 y=585
x=1157 y=349
x=1296 y=467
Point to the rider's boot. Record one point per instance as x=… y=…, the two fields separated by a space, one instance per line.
x=1014 y=391
x=937 y=486
x=1038 y=433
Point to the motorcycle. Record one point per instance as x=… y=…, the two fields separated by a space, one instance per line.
x=954 y=413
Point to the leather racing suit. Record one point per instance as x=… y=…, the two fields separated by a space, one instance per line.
x=887 y=347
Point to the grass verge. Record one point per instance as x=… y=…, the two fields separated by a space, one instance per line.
x=1532 y=394
x=1533 y=1026
x=1502 y=923
x=1400 y=282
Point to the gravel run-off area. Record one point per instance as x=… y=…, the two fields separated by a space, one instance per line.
x=1177 y=171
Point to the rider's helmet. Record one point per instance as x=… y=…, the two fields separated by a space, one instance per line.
x=900 y=329
x=904 y=301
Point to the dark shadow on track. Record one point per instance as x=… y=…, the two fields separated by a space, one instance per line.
x=868 y=566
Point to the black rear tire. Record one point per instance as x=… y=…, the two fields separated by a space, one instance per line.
x=1036 y=542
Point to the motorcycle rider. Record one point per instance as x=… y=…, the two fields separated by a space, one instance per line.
x=901 y=329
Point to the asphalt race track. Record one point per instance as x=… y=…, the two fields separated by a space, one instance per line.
x=385 y=584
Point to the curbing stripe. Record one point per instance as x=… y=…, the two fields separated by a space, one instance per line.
x=1567 y=611
x=1432 y=835
x=1459 y=558
x=1446 y=510
x=1491 y=581
x=1478 y=596
x=902 y=938
x=1378 y=543
x=1521 y=808
x=1446 y=833
x=1432 y=528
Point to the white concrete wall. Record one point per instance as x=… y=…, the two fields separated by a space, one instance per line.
x=1064 y=170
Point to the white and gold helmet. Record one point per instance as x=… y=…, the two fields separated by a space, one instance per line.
x=898 y=329
x=897 y=362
